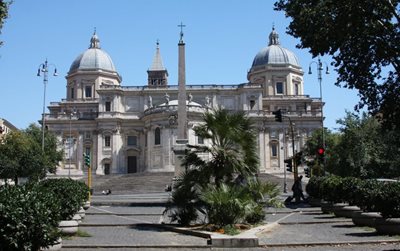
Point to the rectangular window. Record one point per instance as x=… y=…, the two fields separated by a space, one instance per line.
x=87 y=151
x=296 y=89
x=88 y=135
x=108 y=106
x=200 y=140
x=72 y=94
x=279 y=88
x=107 y=141
x=132 y=141
x=252 y=104
x=274 y=150
x=88 y=91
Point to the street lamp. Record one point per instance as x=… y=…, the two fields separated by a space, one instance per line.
x=320 y=68
x=71 y=113
x=45 y=69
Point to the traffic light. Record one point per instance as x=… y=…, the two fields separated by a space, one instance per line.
x=87 y=159
x=307 y=172
x=321 y=151
x=298 y=157
x=278 y=115
x=289 y=165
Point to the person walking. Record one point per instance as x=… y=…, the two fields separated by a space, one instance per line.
x=297 y=189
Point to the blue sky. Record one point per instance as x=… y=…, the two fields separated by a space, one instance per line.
x=222 y=38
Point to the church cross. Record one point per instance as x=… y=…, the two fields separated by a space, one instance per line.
x=181 y=25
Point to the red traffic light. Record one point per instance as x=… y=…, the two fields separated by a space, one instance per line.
x=321 y=151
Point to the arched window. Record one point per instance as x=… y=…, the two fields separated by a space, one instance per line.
x=157 y=136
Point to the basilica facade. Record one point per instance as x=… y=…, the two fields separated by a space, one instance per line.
x=129 y=129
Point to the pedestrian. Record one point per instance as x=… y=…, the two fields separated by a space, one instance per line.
x=297 y=189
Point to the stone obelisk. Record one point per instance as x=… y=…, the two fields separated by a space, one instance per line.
x=182 y=140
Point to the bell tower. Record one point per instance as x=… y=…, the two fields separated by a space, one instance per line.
x=157 y=74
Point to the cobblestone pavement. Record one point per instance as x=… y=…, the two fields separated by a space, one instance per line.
x=125 y=221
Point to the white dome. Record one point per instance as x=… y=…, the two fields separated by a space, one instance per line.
x=93 y=58
x=275 y=54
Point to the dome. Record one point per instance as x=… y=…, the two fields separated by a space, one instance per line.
x=275 y=54
x=93 y=58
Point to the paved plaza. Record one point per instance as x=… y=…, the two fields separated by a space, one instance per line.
x=131 y=222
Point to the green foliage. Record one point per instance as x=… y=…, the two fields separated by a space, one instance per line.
x=387 y=202
x=313 y=187
x=363 y=38
x=29 y=218
x=330 y=189
x=222 y=187
x=349 y=189
x=227 y=205
x=315 y=161
x=71 y=194
x=360 y=149
x=185 y=199
x=21 y=155
x=52 y=156
x=4 y=5
x=370 y=195
x=232 y=145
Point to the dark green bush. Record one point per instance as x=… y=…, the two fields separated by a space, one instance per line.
x=29 y=218
x=349 y=190
x=368 y=195
x=330 y=189
x=387 y=202
x=71 y=193
x=226 y=205
x=313 y=186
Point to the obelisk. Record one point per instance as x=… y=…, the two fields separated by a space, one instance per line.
x=181 y=140
x=182 y=113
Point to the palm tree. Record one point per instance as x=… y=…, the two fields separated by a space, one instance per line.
x=209 y=186
x=231 y=147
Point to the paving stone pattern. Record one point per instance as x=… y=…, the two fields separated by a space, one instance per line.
x=122 y=222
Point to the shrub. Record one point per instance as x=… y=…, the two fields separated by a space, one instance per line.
x=185 y=201
x=367 y=195
x=226 y=205
x=350 y=189
x=71 y=193
x=29 y=218
x=387 y=202
x=313 y=186
x=330 y=189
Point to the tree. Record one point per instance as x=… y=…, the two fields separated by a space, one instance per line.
x=232 y=146
x=51 y=154
x=363 y=38
x=4 y=5
x=310 y=152
x=360 y=149
x=364 y=150
x=220 y=175
x=21 y=155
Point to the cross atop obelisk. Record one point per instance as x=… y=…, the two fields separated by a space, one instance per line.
x=181 y=34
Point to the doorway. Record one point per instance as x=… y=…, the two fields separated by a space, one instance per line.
x=132 y=164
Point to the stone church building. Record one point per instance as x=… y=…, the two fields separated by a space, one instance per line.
x=128 y=129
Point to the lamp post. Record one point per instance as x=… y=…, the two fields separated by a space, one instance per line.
x=44 y=68
x=320 y=68
x=71 y=113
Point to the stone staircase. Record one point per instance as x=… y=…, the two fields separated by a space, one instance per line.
x=132 y=183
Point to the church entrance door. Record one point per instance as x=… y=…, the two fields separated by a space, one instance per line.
x=132 y=164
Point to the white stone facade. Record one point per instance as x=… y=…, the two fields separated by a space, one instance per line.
x=128 y=129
